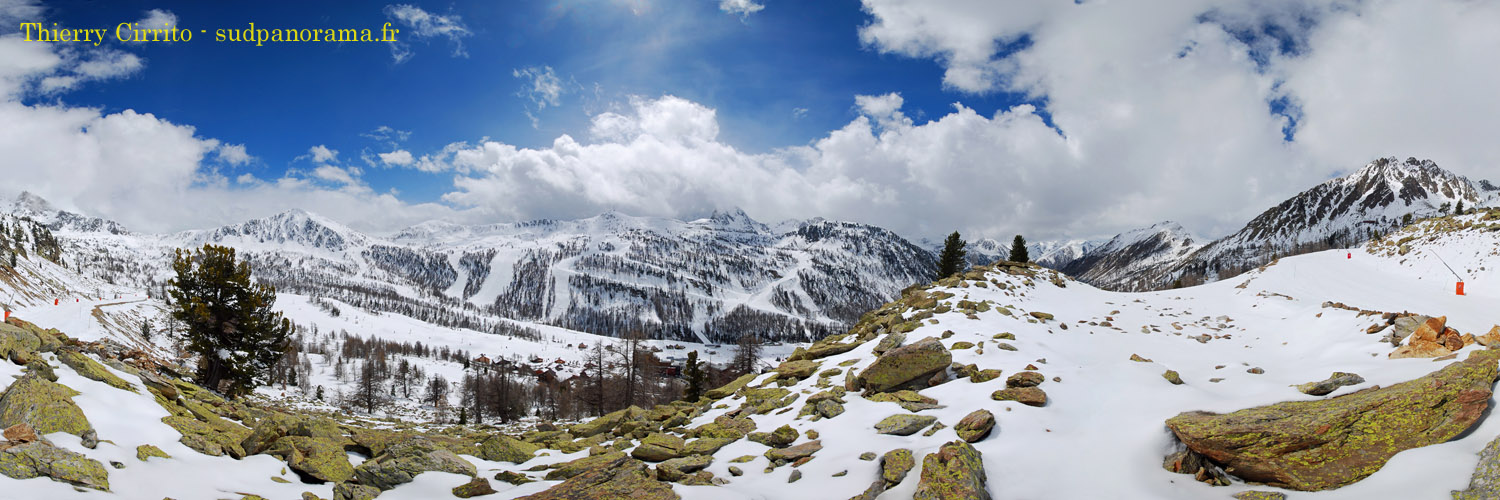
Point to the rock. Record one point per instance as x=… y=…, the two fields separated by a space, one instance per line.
x=161 y=385
x=903 y=425
x=623 y=478
x=1041 y=315
x=780 y=438
x=736 y=471
x=515 y=478
x=867 y=456
x=1485 y=483
x=1139 y=359
x=1256 y=371
x=895 y=464
x=264 y=434
x=1030 y=396
x=47 y=406
x=567 y=470
x=1319 y=445
x=403 y=461
x=1489 y=339
x=961 y=345
x=1335 y=381
x=984 y=375
x=822 y=349
x=975 y=426
x=603 y=424
x=658 y=447
x=1173 y=377
x=796 y=475
x=908 y=399
x=1025 y=379
x=1191 y=463
x=891 y=341
x=678 y=469
x=955 y=472
x=1005 y=346
x=904 y=365
x=793 y=453
x=42 y=369
x=21 y=433
x=477 y=487
x=146 y=451
x=502 y=448
x=829 y=408
x=1431 y=339
x=351 y=491
x=322 y=459
x=797 y=369
x=91 y=369
x=1259 y=495
x=89 y=439
x=729 y=388
x=705 y=446
x=41 y=459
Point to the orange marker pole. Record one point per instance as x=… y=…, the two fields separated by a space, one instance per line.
x=1460 y=288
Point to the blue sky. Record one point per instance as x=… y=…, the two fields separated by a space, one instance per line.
x=781 y=76
x=1057 y=120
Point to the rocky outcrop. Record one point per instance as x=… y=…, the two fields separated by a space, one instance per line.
x=1485 y=483
x=41 y=459
x=1431 y=339
x=46 y=406
x=403 y=461
x=621 y=478
x=955 y=472
x=975 y=426
x=1029 y=396
x=1332 y=383
x=907 y=365
x=91 y=369
x=320 y=459
x=1319 y=445
x=797 y=370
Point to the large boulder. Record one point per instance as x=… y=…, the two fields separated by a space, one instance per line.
x=955 y=472
x=1319 y=445
x=502 y=448
x=621 y=478
x=895 y=464
x=568 y=470
x=321 y=459
x=1030 y=396
x=659 y=447
x=405 y=460
x=907 y=365
x=91 y=369
x=1433 y=338
x=678 y=469
x=794 y=453
x=41 y=459
x=730 y=388
x=975 y=426
x=705 y=446
x=799 y=369
x=47 y=406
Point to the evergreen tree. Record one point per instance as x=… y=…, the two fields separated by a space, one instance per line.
x=1406 y=220
x=1459 y=210
x=228 y=322
x=1018 y=250
x=951 y=261
x=146 y=330
x=1444 y=208
x=695 y=378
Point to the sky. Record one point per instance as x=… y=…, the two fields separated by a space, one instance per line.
x=1056 y=120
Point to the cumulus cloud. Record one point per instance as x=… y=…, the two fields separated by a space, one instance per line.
x=400 y=158
x=422 y=25
x=740 y=7
x=322 y=154
x=233 y=154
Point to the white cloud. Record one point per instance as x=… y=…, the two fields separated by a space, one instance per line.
x=543 y=87
x=398 y=157
x=233 y=154
x=154 y=19
x=799 y=113
x=740 y=7
x=322 y=154
x=416 y=23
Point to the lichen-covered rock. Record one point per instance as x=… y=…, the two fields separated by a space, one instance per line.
x=1191 y=463
x=567 y=470
x=1030 y=396
x=903 y=425
x=403 y=461
x=1025 y=379
x=794 y=453
x=1485 y=483
x=985 y=375
x=91 y=369
x=955 y=472
x=799 y=369
x=659 y=447
x=605 y=423
x=730 y=388
x=266 y=432
x=1137 y=358
x=1172 y=376
x=351 y=491
x=1319 y=445
x=620 y=479
x=895 y=464
x=319 y=458
x=908 y=399
x=477 y=487
x=907 y=364
x=41 y=459
x=1260 y=495
x=146 y=451
x=678 y=469
x=1332 y=383
x=502 y=448
x=975 y=426
x=47 y=406
x=40 y=367
x=780 y=438
x=890 y=341
x=515 y=478
x=705 y=446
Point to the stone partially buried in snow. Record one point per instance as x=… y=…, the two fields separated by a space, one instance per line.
x=47 y=406
x=41 y=459
x=502 y=448
x=1029 y=396
x=1485 y=483
x=1332 y=383
x=622 y=478
x=975 y=426
x=405 y=460
x=1319 y=445
x=900 y=366
x=955 y=472
x=903 y=425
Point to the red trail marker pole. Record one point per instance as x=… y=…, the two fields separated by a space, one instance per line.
x=1460 y=290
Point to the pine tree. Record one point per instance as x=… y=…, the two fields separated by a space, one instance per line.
x=1406 y=220
x=695 y=378
x=146 y=330
x=951 y=261
x=229 y=322
x=1018 y=250
x=1459 y=210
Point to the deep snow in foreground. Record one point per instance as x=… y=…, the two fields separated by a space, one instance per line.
x=1100 y=436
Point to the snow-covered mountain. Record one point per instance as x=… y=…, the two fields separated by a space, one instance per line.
x=1338 y=213
x=1057 y=254
x=1127 y=256
x=709 y=279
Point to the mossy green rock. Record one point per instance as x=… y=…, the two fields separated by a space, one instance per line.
x=705 y=446
x=955 y=472
x=1319 y=445
x=1265 y=495
x=823 y=349
x=730 y=388
x=780 y=438
x=567 y=470
x=48 y=406
x=1172 y=376
x=903 y=425
x=658 y=447
x=40 y=459
x=266 y=432
x=985 y=375
x=890 y=341
x=961 y=345
x=405 y=460
x=351 y=491
x=620 y=479
x=913 y=363
x=1029 y=396
x=1485 y=483
x=799 y=369
x=477 y=487
x=678 y=469
x=320 y=458
x=895 y=464
x=91 y=369
x=793 y=453
x=502 y=448
x=766 y=400
x=975 y=426
x=146 y=451
x=515 y=478
x=605 y=423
